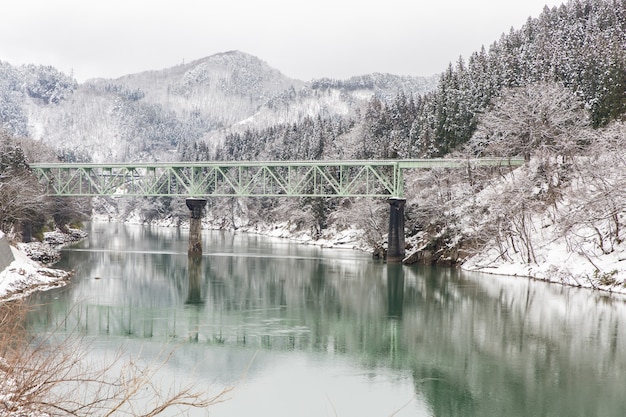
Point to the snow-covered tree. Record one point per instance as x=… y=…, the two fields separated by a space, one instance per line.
x=12 y=117
x=20 y=199
x=541 y=118
x=597 y=206
x=22 y=202
x=47 y=84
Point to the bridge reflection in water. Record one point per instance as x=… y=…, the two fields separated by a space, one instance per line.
x=215 y=307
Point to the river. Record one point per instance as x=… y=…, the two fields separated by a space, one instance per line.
x=306 y=331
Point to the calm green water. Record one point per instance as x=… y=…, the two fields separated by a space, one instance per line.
x=305 y=331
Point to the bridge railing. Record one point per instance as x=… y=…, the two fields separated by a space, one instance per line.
x=366 y=178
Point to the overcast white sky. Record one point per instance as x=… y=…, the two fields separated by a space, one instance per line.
x=302 y=39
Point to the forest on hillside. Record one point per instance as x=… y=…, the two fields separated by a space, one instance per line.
x=580 y=45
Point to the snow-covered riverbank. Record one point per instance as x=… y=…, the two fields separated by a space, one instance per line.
x=30 y=270
x=556 y=262
x=578 y=239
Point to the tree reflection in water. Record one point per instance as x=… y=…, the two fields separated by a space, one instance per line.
x=471 y=345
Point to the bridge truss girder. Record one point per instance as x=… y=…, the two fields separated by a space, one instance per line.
x=269 y=179
x=241 y=179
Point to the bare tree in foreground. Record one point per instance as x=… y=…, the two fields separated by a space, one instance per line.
x=48 y=377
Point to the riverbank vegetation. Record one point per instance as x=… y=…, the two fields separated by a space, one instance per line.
x=25 y=211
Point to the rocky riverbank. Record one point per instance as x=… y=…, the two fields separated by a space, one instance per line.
x=31 y=270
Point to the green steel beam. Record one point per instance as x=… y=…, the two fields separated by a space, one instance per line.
x=367 y=178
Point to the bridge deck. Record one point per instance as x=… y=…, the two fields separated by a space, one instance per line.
x=365 y=178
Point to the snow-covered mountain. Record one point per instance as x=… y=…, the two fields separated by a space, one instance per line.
x=225 y=87
x=145 y=116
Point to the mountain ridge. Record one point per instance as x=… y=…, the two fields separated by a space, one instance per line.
x=148 y=114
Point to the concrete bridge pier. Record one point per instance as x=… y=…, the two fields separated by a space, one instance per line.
x=395 y=239
x=196 y=207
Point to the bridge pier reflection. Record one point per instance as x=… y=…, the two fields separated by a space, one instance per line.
x=196 y=206
x=194 y=272
x=395 y=290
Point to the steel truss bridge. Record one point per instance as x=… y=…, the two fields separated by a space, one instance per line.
x=364 y=178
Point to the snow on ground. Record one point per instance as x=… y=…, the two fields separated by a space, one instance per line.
x=332 y=237
x=558 y=264
x=25 y=275
x=571 y=245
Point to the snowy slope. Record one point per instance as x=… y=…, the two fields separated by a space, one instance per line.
x=146 y=116
x=578 y=240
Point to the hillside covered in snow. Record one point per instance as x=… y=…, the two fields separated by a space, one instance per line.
x=148 y=116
